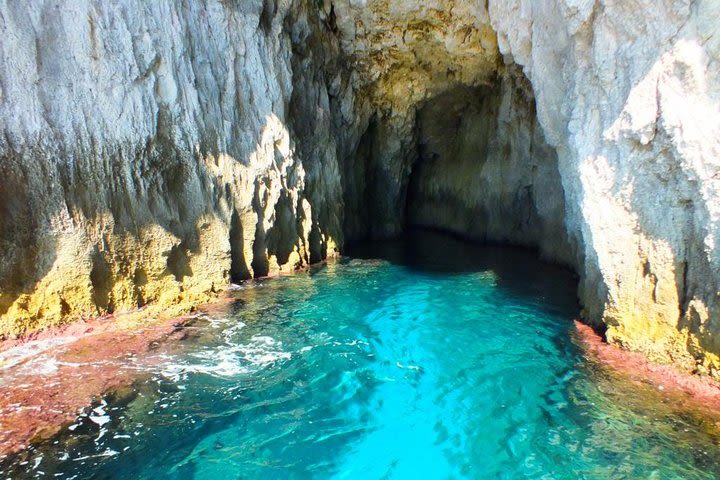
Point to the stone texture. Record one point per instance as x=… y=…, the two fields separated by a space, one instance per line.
x=148 y=152
x=453 y=141
x=485 y=172
x=403 y=53
x=629 y=94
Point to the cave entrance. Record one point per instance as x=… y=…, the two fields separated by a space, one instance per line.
x=447 y=182
x=484 y=171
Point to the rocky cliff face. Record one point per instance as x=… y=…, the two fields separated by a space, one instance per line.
x=153 y=152
x=628 y=93
x=453 y=141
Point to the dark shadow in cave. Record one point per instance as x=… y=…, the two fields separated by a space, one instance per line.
x=454 y=132
x=518 y=270
x=479 y=168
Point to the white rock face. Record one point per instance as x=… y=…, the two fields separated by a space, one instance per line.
x=150 y=151
x=629 y=94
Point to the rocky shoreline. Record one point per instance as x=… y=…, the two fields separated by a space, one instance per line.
x=687 y=389
x=49 y=379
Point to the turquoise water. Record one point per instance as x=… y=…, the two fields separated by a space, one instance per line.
x=429 y=359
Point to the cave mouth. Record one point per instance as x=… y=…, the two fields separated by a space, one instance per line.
x=474 y=163
x=446 y=186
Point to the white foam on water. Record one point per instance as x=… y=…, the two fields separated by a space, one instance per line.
x=21 y=353
x=98 y=415
x=109 y=452
x=228 y=359
x=100 y=420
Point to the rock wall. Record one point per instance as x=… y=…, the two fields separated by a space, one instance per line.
x=485 y=172
x=629 y=94
x=152 y=151
x=403 y=54
x=453 y=140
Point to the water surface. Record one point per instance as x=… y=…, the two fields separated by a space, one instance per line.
x=428 y=358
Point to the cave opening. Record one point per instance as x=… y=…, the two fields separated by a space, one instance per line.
x=474 y=163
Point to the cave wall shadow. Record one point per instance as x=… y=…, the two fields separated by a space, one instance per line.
x=516 y=270
x=476 y=165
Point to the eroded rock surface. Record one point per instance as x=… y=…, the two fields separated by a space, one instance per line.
x=629 y=94
x=485 y=172
x=153 y=152
x=404 y=54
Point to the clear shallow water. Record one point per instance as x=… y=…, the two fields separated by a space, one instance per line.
x=442 y=360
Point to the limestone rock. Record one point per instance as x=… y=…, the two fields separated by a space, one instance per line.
x=629 y=94
x=149 y=154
